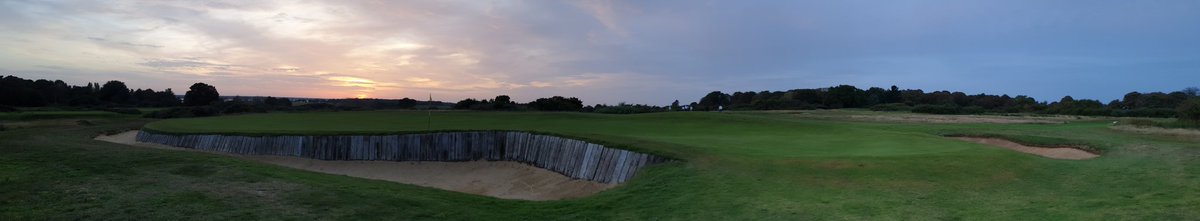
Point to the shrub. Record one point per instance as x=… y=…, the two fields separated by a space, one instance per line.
x=936 y=109
x=1189 y=112
x=1141 y=122
x=891 y=107
x=204 y=111
x=1146 y=112
x=122 y=110
x=627 y=109
x=237 y=107
x=1095 y=112
x=314 y=107
x=972 y=110
x=184 y=112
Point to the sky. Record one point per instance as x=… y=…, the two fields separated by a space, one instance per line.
x=606 y=51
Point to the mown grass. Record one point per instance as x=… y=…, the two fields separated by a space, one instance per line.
x=737 y=166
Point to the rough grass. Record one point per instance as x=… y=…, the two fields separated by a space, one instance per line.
x=739 y=166
x=41 y=115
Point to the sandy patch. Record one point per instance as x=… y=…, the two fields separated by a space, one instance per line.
x=1049 y=152
x=501 y=179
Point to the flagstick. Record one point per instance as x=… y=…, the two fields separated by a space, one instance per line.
x=429 y=110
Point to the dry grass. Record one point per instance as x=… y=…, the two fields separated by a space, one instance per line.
x=1174 y=132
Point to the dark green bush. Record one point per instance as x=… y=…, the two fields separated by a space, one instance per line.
x=1145 y=112
x=1141 y=122
x=972 y=110
x=1189 y=112
x=627 y=109
x=237 y=107
x=891 y=107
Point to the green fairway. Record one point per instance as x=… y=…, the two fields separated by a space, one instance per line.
x=733 y=166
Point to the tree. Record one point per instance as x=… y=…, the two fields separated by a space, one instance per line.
x=1191 y=91
x=1131 y=100
x=845 y=96
x=166 y=98
x=1066 y=99
x=466 y=103
x=407 y=103
x=713 y=101
x=502 y=102
x=277 y=102
x=892 y=95
x=675 y=106
x=557 y=103
x=200 y=94
x=115 y=92
x=742 y=99
x=1190 y=111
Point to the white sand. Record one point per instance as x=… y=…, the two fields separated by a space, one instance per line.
x=501 y=179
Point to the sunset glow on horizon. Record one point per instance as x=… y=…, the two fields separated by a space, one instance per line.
x=603 y=51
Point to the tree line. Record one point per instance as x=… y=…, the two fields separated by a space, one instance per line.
x=19 y=92
x=200 y=100
x=1133 y=104
x=553 y=103
x=40 y=93
x=203 y=100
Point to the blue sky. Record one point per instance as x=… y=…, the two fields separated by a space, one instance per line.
x=607 y=51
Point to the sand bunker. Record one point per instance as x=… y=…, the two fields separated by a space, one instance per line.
x=1049 y=152
x=501 y=179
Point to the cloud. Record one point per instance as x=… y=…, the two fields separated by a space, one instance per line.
x=289 y=69
x=186 y=64
x=122 y=43
x=601 y=50
x=360 y=84
x=603 y=11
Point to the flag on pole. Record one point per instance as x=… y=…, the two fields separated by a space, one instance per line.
x=429 y=110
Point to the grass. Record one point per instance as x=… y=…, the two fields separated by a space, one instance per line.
x=736 y=165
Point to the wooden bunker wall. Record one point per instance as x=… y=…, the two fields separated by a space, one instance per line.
x=573 y=158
